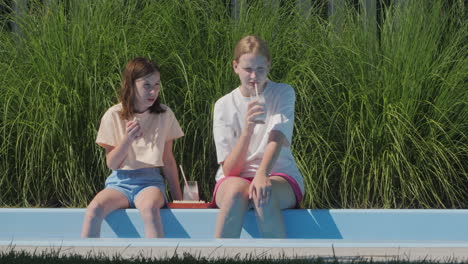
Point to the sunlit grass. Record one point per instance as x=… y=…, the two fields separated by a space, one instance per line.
x=380 y=122
x=61 y=256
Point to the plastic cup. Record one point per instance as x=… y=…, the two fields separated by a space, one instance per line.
x=191 y=191
x=259 y=119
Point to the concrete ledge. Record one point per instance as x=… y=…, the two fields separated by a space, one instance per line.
x=343 y=225
x=233 y=243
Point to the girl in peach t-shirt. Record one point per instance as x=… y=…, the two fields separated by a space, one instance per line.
x=137 y=135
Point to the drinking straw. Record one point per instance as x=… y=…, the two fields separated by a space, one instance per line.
x=183 y=175
x=256 y=90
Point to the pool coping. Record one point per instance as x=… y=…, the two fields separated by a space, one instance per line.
x=238 y=243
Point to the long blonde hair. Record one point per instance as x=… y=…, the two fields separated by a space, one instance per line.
x=251 y=44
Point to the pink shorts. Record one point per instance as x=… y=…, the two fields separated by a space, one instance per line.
x=289 y=179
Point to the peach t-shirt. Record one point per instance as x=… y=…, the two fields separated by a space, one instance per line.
x=146 y=151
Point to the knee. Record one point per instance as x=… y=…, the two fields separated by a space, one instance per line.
x=272 y=205
x=95 y=210
x=150 y=206
x=150 y=212
x=235 y=196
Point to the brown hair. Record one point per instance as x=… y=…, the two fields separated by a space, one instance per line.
x=251 y=44
x=136 y=68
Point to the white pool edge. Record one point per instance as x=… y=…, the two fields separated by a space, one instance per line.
x=237 y=243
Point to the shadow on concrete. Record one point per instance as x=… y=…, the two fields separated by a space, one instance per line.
x=313 y=224
x=172 y=226
x=122 y=225
x=300 y=224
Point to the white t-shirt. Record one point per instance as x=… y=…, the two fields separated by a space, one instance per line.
x=147 y=150
x=228 y=122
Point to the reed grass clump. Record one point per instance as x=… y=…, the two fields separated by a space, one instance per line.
x=381 y=119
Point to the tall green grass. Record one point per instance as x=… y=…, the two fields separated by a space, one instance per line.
x=381 y=121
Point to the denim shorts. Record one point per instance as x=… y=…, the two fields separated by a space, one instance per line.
x=132 y=182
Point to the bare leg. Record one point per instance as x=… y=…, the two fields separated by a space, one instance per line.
x=232 y=198
x=103 y=203
x=269 y=217
x=149 y=202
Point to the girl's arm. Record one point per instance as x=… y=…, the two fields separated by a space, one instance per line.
x=280 y=135
x=235 y=161
x=260 y=188
x=170 y=171
x=116 y=155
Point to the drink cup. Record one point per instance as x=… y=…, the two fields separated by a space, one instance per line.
x=191 y=191
x=259 y=119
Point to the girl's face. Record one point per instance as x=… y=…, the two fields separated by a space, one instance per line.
x=147 y=91
x=251 y=68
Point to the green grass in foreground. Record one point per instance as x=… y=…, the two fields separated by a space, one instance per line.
x=13 y=257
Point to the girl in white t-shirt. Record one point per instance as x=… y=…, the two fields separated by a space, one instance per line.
x=257 y=168
x=137 y=135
